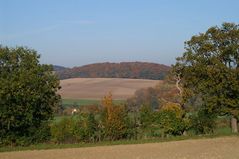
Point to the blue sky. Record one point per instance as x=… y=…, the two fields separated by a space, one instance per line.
x=78 y=32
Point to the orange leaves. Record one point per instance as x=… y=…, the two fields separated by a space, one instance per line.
x=107 y=103
x=113 y=118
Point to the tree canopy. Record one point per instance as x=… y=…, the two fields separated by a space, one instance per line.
x=27 y=95
x=209 y=69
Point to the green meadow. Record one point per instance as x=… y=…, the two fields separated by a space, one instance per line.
x=85 y=102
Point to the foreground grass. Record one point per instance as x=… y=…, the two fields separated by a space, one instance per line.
x=46 y=146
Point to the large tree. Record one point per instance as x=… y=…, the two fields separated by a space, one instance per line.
x=209 y=70
x=27 y=95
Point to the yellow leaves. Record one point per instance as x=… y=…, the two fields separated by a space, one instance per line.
x=107 y=103
x=113 y=111
x=175 y=107
x=114 y=118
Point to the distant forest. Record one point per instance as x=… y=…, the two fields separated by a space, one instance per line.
x=136 y=70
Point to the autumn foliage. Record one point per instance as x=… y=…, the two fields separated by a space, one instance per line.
x=138 y=70
x=114 y=119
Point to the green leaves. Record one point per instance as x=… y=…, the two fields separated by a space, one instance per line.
x=27 y=92
x=209 y=68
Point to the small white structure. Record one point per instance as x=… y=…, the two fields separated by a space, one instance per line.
x=74 y=111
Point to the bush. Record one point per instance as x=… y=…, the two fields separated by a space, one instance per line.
x=114 y=119
x=27 y=137
x=115 y=123
x=146 y=116
x=80 y=128
x=85 y=128
x=133 y=126
x=42 y=134
x=62 y=131
x=170 y=119
x=203 y=122
x=173 y=107
x=169 y=123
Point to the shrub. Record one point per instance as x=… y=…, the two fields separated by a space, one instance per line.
x=170 y=123
x=80 y=128
x=85 y=127
x=115 y=121
x=42 y=134
x=167 y=121
x=27 y=137
x=62 y=131
x=146 y=116
x=203 y=122
x=173 y=107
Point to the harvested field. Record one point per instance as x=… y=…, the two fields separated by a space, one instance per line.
x=217 y=148
x=96 y=88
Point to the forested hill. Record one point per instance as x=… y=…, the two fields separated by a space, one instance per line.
x=58 y=68
x=138 y=70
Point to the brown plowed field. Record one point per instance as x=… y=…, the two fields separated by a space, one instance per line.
x=217 y=148
x=96 y=88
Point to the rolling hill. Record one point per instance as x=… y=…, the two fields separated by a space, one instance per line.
x=97 y=88
x=59 y=68
x=133 y=70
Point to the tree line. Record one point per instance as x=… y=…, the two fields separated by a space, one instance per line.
x=138 y=70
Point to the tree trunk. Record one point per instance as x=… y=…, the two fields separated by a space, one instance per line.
x=178 y=80
x=234 y=125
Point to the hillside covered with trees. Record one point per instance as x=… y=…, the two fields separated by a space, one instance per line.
x=138 y=70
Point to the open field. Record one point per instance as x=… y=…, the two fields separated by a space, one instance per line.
x=97 y=88
x=80 y=102
x=216 y=148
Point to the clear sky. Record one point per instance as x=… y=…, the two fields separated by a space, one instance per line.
x=78 y=32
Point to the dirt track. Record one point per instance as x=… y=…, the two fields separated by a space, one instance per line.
x=97 y=88
x=218 y=148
